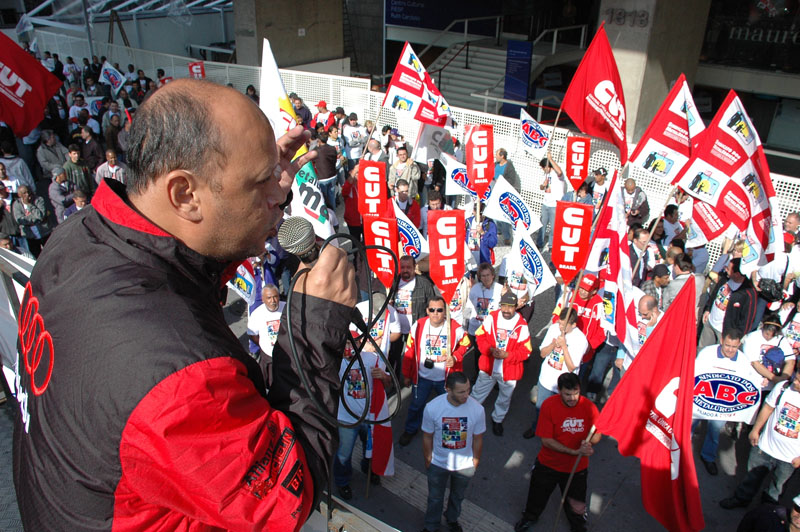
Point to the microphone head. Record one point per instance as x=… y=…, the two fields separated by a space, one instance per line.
x=296 y=235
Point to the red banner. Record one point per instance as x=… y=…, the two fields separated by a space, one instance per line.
x=578 y=149
x=25 y=87
x=446 y=239
x=594 y=99
x=480 y=157
x=571 y=238
x=650 y=416
x=381 y=231
x=372 y=189
x=197 y=70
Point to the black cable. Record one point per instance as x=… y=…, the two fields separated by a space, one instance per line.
x=357 y=343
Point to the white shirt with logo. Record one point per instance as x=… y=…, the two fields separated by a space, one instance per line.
x=779 y=439
x=555 y=189
x=383 y=328
x=434 y=345
x=720 y=304
x=754 y=346
x=266 y=324
x=402 y=304
x=483 y=300
x=555 y=363
x=453 y=428
x=355 y=385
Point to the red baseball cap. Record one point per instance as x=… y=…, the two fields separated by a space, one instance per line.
x=322 y=103
x=589 y=282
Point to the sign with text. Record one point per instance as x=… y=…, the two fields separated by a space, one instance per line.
x=372 y=188
x=197 y=70
x=446 y=241
x=571 y=238
x=578 y=149
x=381 y=231
x=480 y=156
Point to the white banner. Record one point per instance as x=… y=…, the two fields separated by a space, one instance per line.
x=432 y=142
x=525 y=267
x=724 y=393
x=506 y=205
x=411 y=240
x=531 y=134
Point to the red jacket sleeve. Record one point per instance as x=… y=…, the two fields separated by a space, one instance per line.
x=225 y=458
x=484 y=338
x=461 y=344
x=409 y=360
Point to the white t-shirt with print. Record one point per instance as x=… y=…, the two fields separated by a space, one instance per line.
x=355 y=387
x=453 y=428
x=265 y=323
x=402 y=304
x=555 y=190
x=720 y=304
x=434 y=344
x=779 y=439
x=386 y=325
x=754 y=346
x=554 y=364
x=483 y=300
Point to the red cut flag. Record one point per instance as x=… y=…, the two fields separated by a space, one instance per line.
x=197 y=70
x=650 y=416
x=381 y=231
x=25 y=87
x=571 y=238
x=480 y=157
x=594 y=99
x=446 y=239
x=373 y=197
x=578 y=160
x=669 y=140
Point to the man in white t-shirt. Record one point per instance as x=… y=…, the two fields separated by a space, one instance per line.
x=756 y=345
x=453 y=425
x=648 y=316
x=354 y=390
x=355 y=138
x=723 y=358
x=484 y=296
x=714 y=313
x=504 y=343
x=562 y=349
x=264 y=323
x=776 y=450
x=554 y=186
x=598 y=181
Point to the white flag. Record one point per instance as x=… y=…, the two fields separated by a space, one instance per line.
x=432 y=142
x=411 y=240
x=307 y=200
x=525 y=267
x=506 y=205
x=113 y=77
x=532 y=134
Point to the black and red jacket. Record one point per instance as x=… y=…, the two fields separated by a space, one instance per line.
x=140 y=409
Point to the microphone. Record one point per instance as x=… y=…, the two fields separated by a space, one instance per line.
x=296 y=236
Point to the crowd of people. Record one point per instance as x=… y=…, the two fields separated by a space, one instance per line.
x=489 y=336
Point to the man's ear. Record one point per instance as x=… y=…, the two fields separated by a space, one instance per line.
x=182 y=191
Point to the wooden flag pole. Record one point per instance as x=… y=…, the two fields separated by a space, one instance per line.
x=569 y=480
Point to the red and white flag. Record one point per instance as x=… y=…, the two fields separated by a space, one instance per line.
x=571 y=238
x=729 y=170
x=373 y=197
x=382 y=449
x=25 y=89
x=480 y=156
x=381 y=231
x=650 y=416
x=705 y=225
x=667 y=144
x=197 y=70
x=594 y=99
x=412 y=91
x=578 y=149
x=446 y=232
x=610 y=257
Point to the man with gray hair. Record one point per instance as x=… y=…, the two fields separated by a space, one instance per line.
x=60 y=193
x=51 y=153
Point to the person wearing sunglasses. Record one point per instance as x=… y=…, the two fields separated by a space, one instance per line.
x=433 y=350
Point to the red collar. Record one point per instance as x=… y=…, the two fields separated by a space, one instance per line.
x=108 y=202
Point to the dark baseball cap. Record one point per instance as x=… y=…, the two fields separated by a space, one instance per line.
x=508 y=299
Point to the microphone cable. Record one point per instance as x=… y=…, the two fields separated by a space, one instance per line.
x=357 y=343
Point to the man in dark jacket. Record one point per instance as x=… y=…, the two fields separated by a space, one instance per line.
x=732 y=305
x=159 y=418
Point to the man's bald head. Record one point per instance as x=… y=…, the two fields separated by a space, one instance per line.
x=647 y=303
x=174 y=130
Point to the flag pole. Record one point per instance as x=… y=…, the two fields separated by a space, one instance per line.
x=569 y=480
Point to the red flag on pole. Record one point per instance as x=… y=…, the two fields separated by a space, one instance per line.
x=382 y=446
x=381 y=231
x=373 y=198
x=480 y=157
x=650 y=416
x=25 y=87
x=571 y=238
x=578 y=149
x=594 y=99
x=446 y=238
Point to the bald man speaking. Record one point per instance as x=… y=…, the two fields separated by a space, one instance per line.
x=139 y=408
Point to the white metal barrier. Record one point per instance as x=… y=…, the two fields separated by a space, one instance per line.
x=354 y=95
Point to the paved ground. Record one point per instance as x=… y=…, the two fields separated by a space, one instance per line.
x=496 y=495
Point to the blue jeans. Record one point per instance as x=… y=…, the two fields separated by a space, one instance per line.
x=504 y=229
x=422 y=390
x=437 y=483
x=711 y=441
x=542 y=393
x=759 y=465
x=548 y=218
x=328 y=189
x=603 y=358
x=343 y=464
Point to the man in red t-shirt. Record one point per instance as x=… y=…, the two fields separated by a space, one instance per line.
x=564 y=423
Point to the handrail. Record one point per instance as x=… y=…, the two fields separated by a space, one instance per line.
x=466 y=22
x=439 y=70
x=582 y=27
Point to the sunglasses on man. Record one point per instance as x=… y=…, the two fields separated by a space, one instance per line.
x=431 y=309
